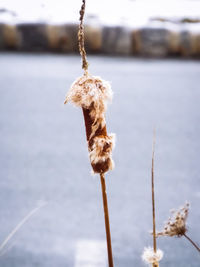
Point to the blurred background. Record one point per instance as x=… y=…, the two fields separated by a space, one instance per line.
x=149 y=51
x=140 y=28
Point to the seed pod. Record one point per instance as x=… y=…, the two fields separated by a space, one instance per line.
x=91 y=93
x=151 y=257
x=176 y=224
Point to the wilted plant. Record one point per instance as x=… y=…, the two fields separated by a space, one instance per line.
x=153 y=255
x=176 y=225
x=91 y=93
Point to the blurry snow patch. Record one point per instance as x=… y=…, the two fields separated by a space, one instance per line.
x=125 y=13
x=90 y=253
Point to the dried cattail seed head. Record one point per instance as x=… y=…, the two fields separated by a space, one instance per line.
x=92 y=94
x=176 y=225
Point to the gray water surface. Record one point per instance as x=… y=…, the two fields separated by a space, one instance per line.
x=43 y=157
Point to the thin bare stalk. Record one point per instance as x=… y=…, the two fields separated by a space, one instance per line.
x=192 y=242
x=106 y=216
x=81 y=41
x=153 y=201
x=19 y=225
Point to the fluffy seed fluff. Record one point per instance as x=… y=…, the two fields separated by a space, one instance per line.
x=92 y=93
x=150 y=257
x=89 y=89
x=101 y=149
x=176 y=224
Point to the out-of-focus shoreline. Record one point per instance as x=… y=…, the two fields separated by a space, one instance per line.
x=158 y=40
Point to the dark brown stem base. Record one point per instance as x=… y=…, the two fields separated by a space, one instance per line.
x=192 y=242
x=107 y=224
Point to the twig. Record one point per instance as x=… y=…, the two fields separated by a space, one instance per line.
x=8 y=248
x=107 y=224
x=19 y=225
x=153 y=198
x=192 y=242
x=81 y=41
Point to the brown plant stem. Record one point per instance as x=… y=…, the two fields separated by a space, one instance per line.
x=106 y=216
x=81 y=41
x=192 y=242
x=153 y=201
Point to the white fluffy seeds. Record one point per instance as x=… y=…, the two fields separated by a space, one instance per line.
x=149 y=256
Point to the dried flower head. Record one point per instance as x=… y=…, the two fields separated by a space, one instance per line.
x=176 y=224
x=151 y=257
x=92 y=94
